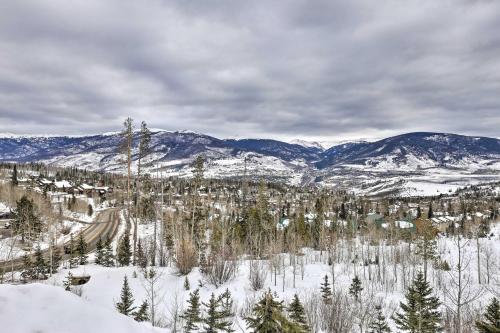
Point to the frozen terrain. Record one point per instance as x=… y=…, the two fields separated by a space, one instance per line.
x=44 y=308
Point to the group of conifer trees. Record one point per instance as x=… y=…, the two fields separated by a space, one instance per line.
x=268 y=314
x=26 y=222
x=77 y=251
x=104 y=253
x=210 y=317
x=38 y=267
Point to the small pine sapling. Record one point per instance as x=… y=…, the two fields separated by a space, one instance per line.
x=326 y=290
x=142 y=313
x=355 y=288
x=125 y=305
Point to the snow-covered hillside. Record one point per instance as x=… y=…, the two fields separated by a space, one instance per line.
x=49 y=309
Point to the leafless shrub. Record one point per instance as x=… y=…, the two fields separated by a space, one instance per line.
x=337 y=316
x=220 y=270
x=247 y=306
x=258 y=274
x=312 y=303
x=186 y=257
x=174 y=320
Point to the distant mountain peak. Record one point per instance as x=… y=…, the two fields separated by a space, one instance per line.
x=307 y=144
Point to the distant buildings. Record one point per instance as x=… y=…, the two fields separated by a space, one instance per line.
x=70 y=188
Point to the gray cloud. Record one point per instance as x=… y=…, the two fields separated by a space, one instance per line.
x=283 y=69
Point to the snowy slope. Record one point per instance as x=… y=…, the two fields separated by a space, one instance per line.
x=48 y=309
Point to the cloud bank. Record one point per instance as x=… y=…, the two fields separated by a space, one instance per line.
x=318 y=70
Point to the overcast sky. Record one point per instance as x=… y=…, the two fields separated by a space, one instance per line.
x=318 y=70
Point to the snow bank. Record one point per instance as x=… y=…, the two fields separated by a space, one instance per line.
x=4 y=208
x=47 y=309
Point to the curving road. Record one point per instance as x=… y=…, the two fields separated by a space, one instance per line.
x=106 y=225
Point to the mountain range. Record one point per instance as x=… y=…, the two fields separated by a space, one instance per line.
x=370 y=167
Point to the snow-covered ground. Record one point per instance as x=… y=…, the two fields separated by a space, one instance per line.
x=433 y=184
x=384 y=284
x=43 y=308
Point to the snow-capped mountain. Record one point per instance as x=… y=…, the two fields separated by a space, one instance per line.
x=412 y=164
x=308 y=144
x=417 y=157
x=414 y=150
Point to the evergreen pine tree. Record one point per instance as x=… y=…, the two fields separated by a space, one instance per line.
x=492 y=315
x=27 y=272
x=355 y=288
x=124 y=252
x=26 y=222
x=297 y=314
x=192 y=315
x=14 y=176
x=56 y=258
x=379 y=324
x=484 y=229
x=186 y=283
x=215 y=322
x=203 y=263
x=142 y=314
x=420 y=313
x=326 y=290
x=99 y=252
x=342 y=213
x=67 y=281
x=226 y=303
x=426 y=244
x=268 y=317
x=90 y=210
x=142 y=261
x=73 y=260
x=40 y=267
x=108 y=256
x=316 y=226
x=430 y=214
x=81 y=250
x=125 y=305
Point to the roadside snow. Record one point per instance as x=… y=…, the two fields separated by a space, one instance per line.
x=4 y=208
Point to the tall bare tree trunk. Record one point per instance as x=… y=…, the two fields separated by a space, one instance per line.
x=126 y=147
x=478 y=260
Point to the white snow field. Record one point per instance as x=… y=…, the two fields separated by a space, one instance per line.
x=40 y=308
